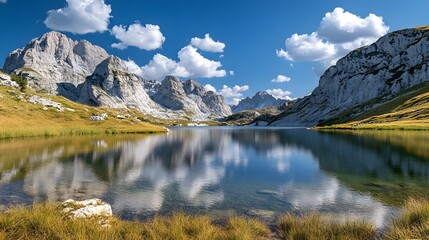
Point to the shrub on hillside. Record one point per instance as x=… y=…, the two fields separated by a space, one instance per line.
x=21 y=81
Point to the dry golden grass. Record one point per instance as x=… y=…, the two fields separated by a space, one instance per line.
x=414 y=222
x=46 y=222
x=315 y=227
x=19 y=118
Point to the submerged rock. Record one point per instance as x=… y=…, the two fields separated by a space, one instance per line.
x=268 y=192
x=87 y=208
x=261 y=213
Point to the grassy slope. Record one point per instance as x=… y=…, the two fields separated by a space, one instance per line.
x=19 y=118
x=408 y=109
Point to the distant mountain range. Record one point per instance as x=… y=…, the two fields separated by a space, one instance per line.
x=368 y=82
x=85 y=73
x=261 y=100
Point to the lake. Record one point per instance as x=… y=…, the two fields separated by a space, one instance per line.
x=259 y=172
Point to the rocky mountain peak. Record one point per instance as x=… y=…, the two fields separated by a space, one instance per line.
x=55 y=64
x=112 y=85
x=171 y=86
x=110 y=65
x=193 y=87
x=262 y=93
x=86 y=73
x=191 y=97
x=260 y=100
x=393 y=63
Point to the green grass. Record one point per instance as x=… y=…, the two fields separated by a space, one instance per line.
x=45 y=221
x=19 y=118
x=407 y=110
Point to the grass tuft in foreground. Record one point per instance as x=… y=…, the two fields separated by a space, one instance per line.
x=316 y=227
x=414 y=222
x=46 y=222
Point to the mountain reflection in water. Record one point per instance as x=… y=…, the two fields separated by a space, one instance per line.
x=214 y=170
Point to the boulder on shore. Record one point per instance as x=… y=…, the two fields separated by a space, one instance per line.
x=87 y=208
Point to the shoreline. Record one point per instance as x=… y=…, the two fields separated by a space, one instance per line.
x=47 y=221
x=78 y=132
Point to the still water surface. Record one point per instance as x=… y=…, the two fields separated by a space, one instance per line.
x=216 y=170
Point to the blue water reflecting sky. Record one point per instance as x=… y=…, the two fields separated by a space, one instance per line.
x=207 y=170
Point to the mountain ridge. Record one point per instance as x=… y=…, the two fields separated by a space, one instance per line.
x=395 y=62
x=86 y=73
x=260 y=100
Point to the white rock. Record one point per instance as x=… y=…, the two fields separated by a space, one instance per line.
x=45 y=102
x=5 y=80
x=86 y=209
x=101 y=117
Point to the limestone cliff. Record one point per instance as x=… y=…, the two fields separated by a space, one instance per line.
x=395 y=62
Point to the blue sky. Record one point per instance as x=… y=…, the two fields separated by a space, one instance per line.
x=251 y=32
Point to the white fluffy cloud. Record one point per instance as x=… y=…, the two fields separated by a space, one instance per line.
x=281 y=78
x=279 y=94
x=148 y=37
x=3 y=1
x=191 y=64
x=232 y=95
x=209 y=87
x=340 y=26
x=80 y=17
x=232 y=73
x=207 y=44
x=197 y=65
x=159 y=67
x=307 y=48
x=339 y=33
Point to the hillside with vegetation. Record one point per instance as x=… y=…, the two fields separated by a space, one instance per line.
x=408 y=109
x=25 y=113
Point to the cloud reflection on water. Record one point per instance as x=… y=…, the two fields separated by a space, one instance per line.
x=213 y=168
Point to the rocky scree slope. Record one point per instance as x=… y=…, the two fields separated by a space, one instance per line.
x=112 y=85
x=394 y=63
x=190 y=96
x=87 y=74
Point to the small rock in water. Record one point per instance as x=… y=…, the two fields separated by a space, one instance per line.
x=261 y=213
x=87 y=208
x=268 y=192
